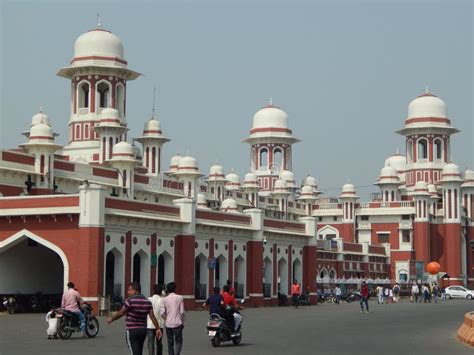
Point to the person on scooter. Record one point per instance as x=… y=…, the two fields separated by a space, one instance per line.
x=231 y=307
x=71 y=301
x=215 y=303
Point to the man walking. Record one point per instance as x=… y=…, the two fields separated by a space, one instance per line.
x=364 y=293
x=338 y=294
x=153 y=341
x=71 y=301
x=172 y=310
x=295 y=293
x=136 y=307
x=414 y=292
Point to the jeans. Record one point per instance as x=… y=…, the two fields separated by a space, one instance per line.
x=338 y=299
x=135 y=340
x=294 y=299
x=82 y=320
x=175 y=340
x=362 y=301
x=154 y=342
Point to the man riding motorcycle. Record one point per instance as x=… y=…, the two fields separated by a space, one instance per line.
x=71 y=301
x=231 y=308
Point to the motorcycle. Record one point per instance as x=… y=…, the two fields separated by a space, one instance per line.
x=68 y=322
x=11 y=304
x=282 y=299
x=303 y=300
x=219 y=330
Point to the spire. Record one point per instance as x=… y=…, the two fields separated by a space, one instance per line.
x=99 y=25
x=154 y=101
x=427 y=89
x=398 y=150
x=271 y=102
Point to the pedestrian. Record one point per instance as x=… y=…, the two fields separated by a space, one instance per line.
x=136 y=308
x=52 y=321
x=390 y=296
x=364 y=293
x=414 y=292
x=153 y=341
x=172 y=310
x=435 y=292
x=70 y=302
x=426 y=293
x=295 y=293
x=386 y=294
x=379 y=294
x=396 y=292
x=443 y=294
x=338 y=294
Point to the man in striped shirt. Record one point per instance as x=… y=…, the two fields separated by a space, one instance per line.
x=136 y=307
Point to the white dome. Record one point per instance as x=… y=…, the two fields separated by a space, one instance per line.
x=137 y=152
x=40 y=117
x=152 y=126
x=187 y=162
x=174 y=163
x=310 y=181
x=201 y=200
x=469 y=174
x=307 y=190
x=280 y=186
x=98 y=43
x=397 y=161
x=270 y=117
x=427 y=105
x=250 y=177
x=123 y=150
x=229 y=204
x=451 y=169
x=421 y=185
x=216 y=170
x=287 y=175
x=432 y=189
x=233 y=178
x=388 y=171
x=110 y=117
x=348 y=190
x=41 y=131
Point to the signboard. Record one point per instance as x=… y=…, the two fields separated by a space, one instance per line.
x=154 y=260
x=211 y=263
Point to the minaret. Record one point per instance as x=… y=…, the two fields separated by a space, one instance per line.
x=152 y=141
x=216 y=181
x=188 y=174
x=389 y=183
x=451 y=182
x=348 y=198
x=99 y=74
x=41 y=144
x=427 y=131
x=280 y=193
x=110 y=132
x=250 y=187
x=308 y=195
x=124 y=162
x=270 y=146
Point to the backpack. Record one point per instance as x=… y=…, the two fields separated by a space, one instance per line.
x=396 y=290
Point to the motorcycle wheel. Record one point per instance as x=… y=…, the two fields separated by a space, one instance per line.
x=92 y=327
x=63 y=332
x=237 y=340
x=216 y=341
x=348 y=300
x=10 y=309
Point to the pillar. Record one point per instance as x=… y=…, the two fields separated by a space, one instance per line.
x=184 y=268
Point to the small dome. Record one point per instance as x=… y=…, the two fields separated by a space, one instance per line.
x=469 y=175
x=216 y=170
x=229 y=205
x=280 y=184
x=41 y=131
x=232 y=181
x=432 y=189
x=110 y=117
x=270 y=117
x=174 y=163
x=388 y=171
x=98 y=43
x=187 y=162
x=427 y=105
x=451 y=172
x=137 y=152
x=152 y=128
x=348 y=190
x=123 y=150
x=250 y=177
x=311 y=181
x=421 y=186
x=397 y=161
x=40 y=117
x=307 y=190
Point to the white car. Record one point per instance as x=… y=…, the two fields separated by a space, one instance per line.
x=459 y=292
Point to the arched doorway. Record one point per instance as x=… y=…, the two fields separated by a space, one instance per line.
x=200 y=277
x=239 y=276
x=114 y=273
x=46 y=269
x=221 y=271
x=165 y=268
x=283 y=276
x=141 y=271
x=297 y=271
x=268 y=277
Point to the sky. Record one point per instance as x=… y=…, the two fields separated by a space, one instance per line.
x=344 y=71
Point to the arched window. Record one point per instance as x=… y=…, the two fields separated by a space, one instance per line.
x=86 y=131
x=78 y=131
x=120 y=99
x=393 y=195
x=83 y=93
x=438 y=149
x=277 y=159
x=422 y=149
x=111 y=146
x=103 y=92
x=263 y=158
x=104 y=141
x=410 y=150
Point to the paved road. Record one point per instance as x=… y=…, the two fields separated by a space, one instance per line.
x=328 y=329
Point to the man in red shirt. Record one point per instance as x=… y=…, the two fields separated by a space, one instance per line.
x=231 y=307
x=364 y=293
x=295 y=293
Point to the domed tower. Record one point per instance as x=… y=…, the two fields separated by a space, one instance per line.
x=188 y=174
x=99 y=74
x=216 y=181
x=123 y=160
x=427 y=131
x=270 y=141
x=41 y=144
x=348 y=198
x=110 y=132
x=389 y=183
x=250 y=187
x=152 y=141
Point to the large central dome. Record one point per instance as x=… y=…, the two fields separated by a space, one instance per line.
x=270 y=117
x=98 y=42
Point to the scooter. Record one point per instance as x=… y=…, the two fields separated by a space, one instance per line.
x=219 y=330
x=11 y=304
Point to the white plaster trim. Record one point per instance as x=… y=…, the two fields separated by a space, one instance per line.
x=38 y=211
x=187 y=297
x=90 y=298
x=255 y=294
x=18 y=237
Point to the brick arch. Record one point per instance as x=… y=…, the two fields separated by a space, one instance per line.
x=25 y=234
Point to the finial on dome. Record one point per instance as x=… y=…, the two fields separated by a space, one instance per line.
x=271 y=102
x=41 y=109
x=427 y=89
x=398 y=150
x=99 y=25
x=154 y=101
x=348 y=180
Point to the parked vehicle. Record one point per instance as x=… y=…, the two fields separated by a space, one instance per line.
x=304 y=300
x=459 y=292
x=219 y=330
x=68 y=322
x=11 y=304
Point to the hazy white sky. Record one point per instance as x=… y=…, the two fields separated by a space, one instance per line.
x=344 y=71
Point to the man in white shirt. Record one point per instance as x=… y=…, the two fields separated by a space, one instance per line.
x=153 y=341
x=414 y=292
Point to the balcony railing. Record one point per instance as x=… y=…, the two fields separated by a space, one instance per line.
x=82 y=111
